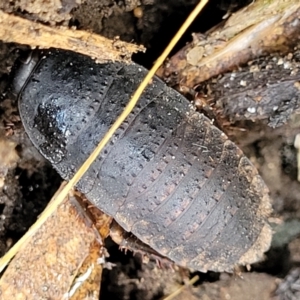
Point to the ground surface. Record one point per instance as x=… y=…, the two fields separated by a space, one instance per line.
x=30 y=180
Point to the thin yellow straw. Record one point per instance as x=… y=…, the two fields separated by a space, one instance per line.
x=177 y=292
x=63 y=194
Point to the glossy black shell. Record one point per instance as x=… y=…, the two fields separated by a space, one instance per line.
x=168 y=175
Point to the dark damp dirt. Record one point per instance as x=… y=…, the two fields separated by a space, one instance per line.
x=27 y=181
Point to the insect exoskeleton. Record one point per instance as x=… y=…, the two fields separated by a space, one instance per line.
x=168 y=175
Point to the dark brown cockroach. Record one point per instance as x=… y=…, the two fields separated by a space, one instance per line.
x=168 y=175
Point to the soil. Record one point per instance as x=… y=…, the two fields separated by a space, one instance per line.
x=27 y=181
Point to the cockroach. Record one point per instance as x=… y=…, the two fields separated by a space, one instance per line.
x=168 y=175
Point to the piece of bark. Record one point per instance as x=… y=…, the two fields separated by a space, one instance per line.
x=87 y=283
x=14 y=29
x=260 y=28
x=266 y=89
x=51 y=11
x=48 y=265
x=8 y=158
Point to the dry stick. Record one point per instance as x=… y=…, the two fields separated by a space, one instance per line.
x=58 y=200
x=14 y=29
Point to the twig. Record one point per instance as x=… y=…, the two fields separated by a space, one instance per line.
x=14 y=29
